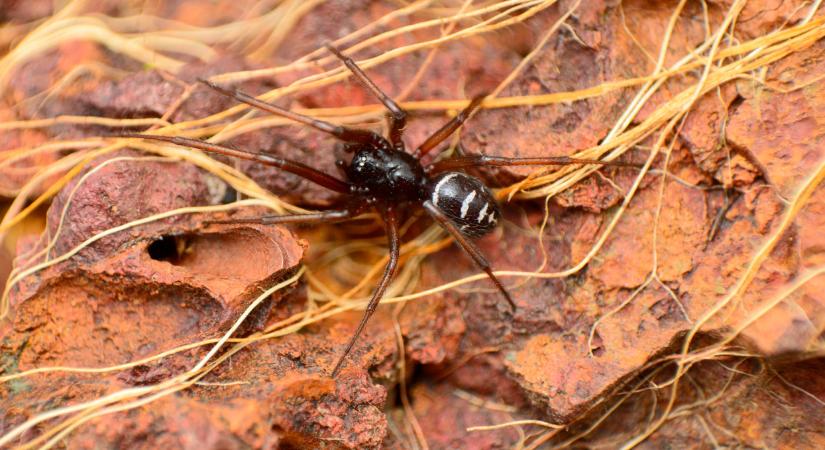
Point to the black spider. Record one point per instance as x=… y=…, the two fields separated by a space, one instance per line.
x=383 y=176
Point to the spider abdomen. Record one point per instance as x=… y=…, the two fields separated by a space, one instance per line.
x=466 y=201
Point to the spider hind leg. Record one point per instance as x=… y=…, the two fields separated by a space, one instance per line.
x=389 y=273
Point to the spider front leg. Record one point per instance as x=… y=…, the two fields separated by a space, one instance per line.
x=330 y=216
x=288 y=165
x=448 y=128
x=398 y=117
x=344 y=133
x=391 y=220
x=469 y=247
x=465 y=161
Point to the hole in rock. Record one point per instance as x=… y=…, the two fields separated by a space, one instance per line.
x=168 y=248
x=244 y=255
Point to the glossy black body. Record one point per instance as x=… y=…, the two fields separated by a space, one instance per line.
x=389 y=176
x=393 y=177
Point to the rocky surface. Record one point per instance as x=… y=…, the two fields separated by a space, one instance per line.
x=593 y=351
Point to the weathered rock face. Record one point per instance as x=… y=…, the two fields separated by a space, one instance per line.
x=592 y=351
x=153 y=287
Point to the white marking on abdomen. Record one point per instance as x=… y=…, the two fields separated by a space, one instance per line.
x=482 y=213
x=491 y=218
x=440 y=184
x=465 y=205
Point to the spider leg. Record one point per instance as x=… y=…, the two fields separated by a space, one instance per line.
x=449 y=128
x=287 y=165
x=469 y=247
x=343 y=133
x=398 y=117
x=330 y=216
x=461 y=162
x=389 y=272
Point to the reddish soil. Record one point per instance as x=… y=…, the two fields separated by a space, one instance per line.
x=680 y=248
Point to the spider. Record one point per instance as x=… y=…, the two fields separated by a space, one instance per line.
x=384 y=177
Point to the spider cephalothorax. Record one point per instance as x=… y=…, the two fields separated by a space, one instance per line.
x=383 y=176
x=387 y=176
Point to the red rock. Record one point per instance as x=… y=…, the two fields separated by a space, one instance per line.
x=107 y=297
x=177 y=422
x=743 y=151
x=24 y=11
x=144 y=94
x=784 y=132
x=702 y=131
x=601 y=51
x=172 y=274
x=445 y=417
x=758 y=16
